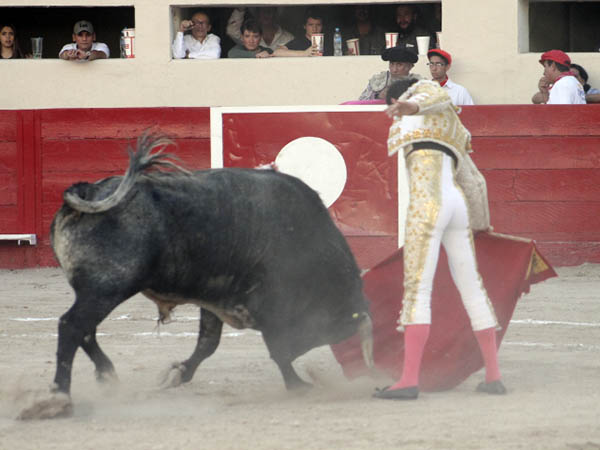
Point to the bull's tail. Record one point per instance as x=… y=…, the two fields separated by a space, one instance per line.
x=365 y=332
x=140 y=160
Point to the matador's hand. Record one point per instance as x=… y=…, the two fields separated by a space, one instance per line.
x=401 y=108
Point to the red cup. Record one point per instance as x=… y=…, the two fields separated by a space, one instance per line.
x=391 y=39
x=353 y=47
x=317 y=40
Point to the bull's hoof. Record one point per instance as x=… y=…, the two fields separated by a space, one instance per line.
x=57 y=405
x=407 y=393
x=493 y=387
x=173 y=376
x=107 y=377
x=299 y=386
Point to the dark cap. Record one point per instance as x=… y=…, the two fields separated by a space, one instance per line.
x=83 y=25
x=558 y=56
x=399 y=54
x=441 y=53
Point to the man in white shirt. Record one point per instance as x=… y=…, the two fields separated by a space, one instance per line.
x=439 y=65
x=560 y=87
x=200 y=44
x=83 y=47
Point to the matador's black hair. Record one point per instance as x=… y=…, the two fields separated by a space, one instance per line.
x=398 y=88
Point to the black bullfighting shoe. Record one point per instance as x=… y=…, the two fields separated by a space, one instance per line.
x=493 y=387
x=407 y=393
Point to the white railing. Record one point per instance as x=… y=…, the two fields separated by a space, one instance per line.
x=29 y=238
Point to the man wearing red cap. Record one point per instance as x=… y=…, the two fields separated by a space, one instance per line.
x=558 y=85
x=439 y=64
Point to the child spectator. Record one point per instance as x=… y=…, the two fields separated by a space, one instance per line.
x=273 y=36
x=250 y=47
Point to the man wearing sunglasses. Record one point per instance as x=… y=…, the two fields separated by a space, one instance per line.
x=199 y=44
x=439 y=65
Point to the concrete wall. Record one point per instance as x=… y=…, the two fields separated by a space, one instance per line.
x=485 y=37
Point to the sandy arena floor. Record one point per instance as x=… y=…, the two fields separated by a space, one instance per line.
x=550 y=361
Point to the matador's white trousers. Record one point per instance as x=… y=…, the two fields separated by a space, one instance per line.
x=437 y=213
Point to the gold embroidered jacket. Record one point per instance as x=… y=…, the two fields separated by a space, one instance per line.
x=437 y=120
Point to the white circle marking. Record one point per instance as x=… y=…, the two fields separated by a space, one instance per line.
x=318 y=163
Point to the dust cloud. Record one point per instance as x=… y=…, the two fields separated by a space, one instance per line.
x=550 y=360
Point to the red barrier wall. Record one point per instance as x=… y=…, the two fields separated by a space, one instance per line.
x=43 y=152
x=367 y=209
x=542 y=164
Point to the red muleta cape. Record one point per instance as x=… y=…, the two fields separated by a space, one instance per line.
x=508 y=266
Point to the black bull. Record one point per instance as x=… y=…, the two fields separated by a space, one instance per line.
x=252 y=248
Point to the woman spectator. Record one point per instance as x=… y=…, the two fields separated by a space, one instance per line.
x=592 y=95
x=9 y=43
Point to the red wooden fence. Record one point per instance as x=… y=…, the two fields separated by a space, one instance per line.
x=57 y=148
x=542 y=164
x=367 y=209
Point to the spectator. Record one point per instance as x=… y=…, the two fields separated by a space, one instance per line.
x=250 y=47
x=84 y=47
x=273 y=35
x=200 y=44
x=439 y=64
x=558 y=85
x=408 y=30
x=371 y=38
x=9 y=43
x=541 y=96
x=402 y=60
x=302 y=46
x=592 y=95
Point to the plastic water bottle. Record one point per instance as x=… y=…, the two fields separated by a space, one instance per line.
x=337 y=42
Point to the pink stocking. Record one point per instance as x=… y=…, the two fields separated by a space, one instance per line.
x=415 y=338
x=487 y=343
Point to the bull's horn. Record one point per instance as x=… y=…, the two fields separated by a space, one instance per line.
x=365 y=331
